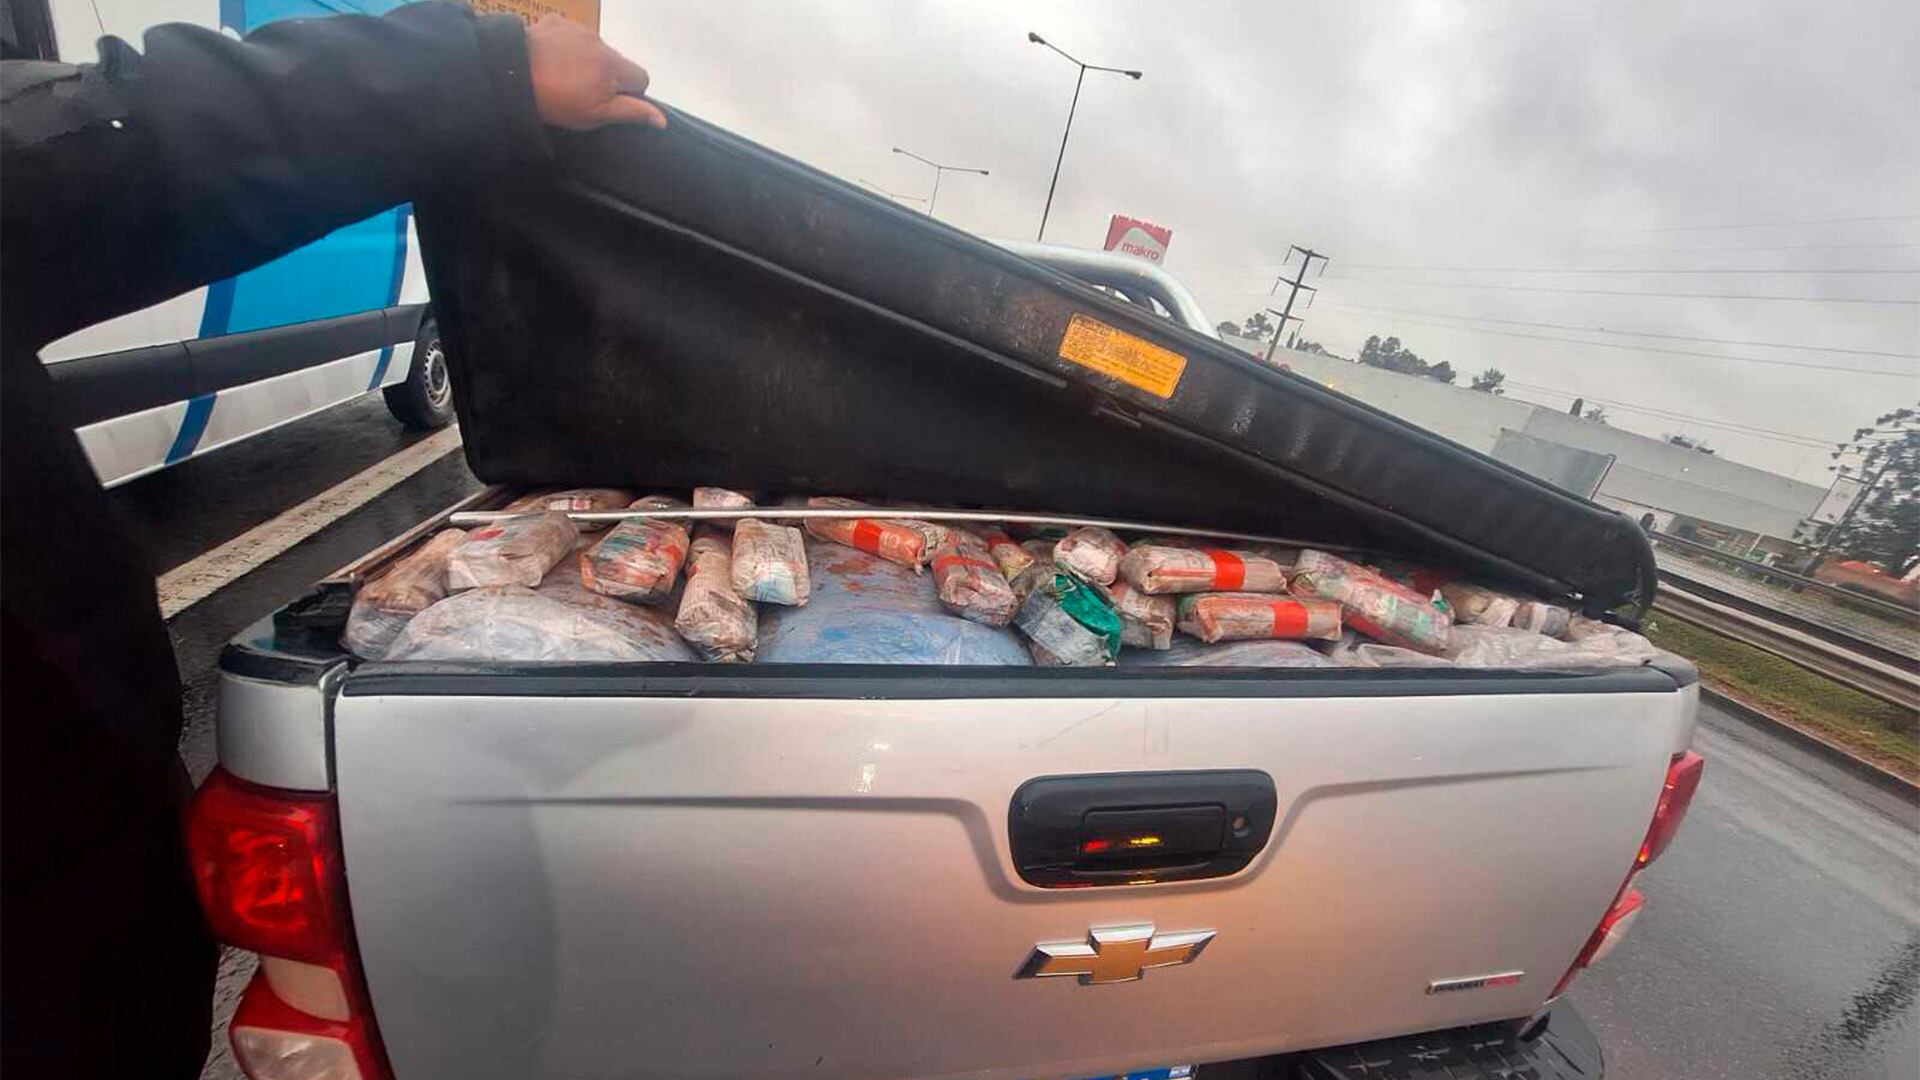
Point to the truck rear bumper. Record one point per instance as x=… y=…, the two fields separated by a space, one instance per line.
x=1564 y=1049
x=1560 y=1048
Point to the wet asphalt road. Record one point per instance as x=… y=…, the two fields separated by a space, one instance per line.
x=1782 y=932
x=1781 y=936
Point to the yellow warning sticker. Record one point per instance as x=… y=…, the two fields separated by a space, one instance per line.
x=1134 y=361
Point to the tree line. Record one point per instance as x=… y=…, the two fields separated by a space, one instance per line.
x=1388 y=354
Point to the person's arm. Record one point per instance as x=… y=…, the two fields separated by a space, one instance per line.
x=132 y=180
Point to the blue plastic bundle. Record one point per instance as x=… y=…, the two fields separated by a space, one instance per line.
x=866 y=610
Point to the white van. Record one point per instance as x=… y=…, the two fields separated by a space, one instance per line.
x=343 y=316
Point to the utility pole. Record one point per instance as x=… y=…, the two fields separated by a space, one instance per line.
x=1307 y=257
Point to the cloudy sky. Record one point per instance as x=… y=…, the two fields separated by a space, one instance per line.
x=1426 y=145
x=1487 y=136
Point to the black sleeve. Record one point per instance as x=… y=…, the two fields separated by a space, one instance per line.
x=132 y=180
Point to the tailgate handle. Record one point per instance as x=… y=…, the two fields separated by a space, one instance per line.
x=1136 y=828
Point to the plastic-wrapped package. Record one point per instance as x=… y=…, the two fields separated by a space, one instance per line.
x=1038 y=573
x=712 y=617
x=383 y=606
x=1370 y=603
x=1214 y=617
x=638 y=560
x=867 y=610
x=769 y=563
x=1059 y=638
x=1011 y=557
x=1542 y=618
x=714 y=498
x=515 y=551
x=1088 y=608
x=1043 y=658
x=510 y=623
x=564 y=578
x=1146 y=622
x=1609 y=643
x=1508 y=647
x=1092 y=552
x=1354 y=651
x=1187 y=652
x=574 y=500
x=1478 y=605
x=1157 y=569
x=909 y=543
x=969 y=582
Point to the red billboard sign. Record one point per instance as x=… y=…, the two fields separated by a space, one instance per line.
x=1141 y=239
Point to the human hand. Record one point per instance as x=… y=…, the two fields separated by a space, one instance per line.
x=579 y=82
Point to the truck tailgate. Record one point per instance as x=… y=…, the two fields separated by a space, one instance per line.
x=767 y=875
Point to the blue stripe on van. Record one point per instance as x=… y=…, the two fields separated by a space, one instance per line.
x=380 y=368
x=192 y=428
x=393 y=286
x=218 y=314
x=405 y=212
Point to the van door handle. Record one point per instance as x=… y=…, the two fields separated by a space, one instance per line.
x=1136 y=828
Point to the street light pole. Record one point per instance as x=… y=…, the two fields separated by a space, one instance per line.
x=937 y=170
x=1063 y=152
x=1078 y=80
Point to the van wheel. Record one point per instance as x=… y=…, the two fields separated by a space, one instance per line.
x=425 y=401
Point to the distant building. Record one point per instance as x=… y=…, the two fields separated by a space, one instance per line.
x=1689 y=494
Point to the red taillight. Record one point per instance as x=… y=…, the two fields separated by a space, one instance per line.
x=267 y=866
x=272 y=1040
x=1683 y=779
x=1676 y=796
x=262 y=860
x=1613 y=927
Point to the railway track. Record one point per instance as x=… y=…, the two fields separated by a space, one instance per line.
x=1865 y=666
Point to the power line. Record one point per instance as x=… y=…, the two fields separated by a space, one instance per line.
x=1686 y=421
x=1674 y=414
x=1769 y=224
x=1761 y=247
x=1649 y=248
x=1657 y=349
x=1730 y=427
x=1611 y=270
x=1627 y=292
x=1642 y=333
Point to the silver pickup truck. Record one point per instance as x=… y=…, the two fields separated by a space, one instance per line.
x=516 y=870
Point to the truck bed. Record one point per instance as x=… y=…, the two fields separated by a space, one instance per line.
x=791 y=870
x=687 y=870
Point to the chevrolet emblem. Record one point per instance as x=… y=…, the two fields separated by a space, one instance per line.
x=1114 y=954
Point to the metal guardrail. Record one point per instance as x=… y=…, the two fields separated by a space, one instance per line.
x=1832 y=634
x=1875 y=604
x=1850 y=665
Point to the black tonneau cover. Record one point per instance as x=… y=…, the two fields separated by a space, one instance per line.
x=667 y=309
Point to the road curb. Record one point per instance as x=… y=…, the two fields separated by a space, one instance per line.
x=1884 y=779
